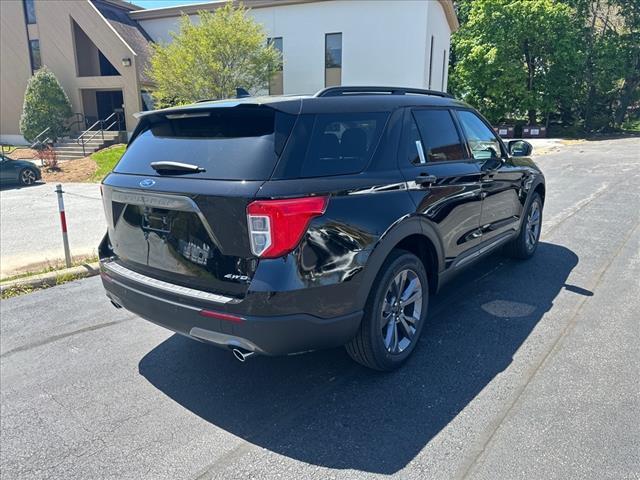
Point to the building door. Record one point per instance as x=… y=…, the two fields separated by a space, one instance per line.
x=107 y=103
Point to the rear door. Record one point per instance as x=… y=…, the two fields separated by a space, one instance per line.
x=443 y=180
x=190 y=229
x=501 y=180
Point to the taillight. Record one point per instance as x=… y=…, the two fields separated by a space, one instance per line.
x=276 y=226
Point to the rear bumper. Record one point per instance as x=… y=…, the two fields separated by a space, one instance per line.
x=269 y=335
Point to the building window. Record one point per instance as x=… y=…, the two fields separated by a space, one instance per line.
x=332 y=59
x=34 y=53
x=106 y=68
x=29 y=11
x=444 y=69
x=430 y=62
x=276 y=84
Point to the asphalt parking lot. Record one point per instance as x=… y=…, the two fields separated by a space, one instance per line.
x=525 y=370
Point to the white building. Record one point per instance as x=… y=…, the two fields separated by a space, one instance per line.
x=99 y=49
x=347 y=42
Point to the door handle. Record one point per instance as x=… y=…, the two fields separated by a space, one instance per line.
x=426 y=179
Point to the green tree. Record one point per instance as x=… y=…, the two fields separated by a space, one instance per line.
x=517 y=57
x=226 y=50
x=611 y=79
x=45 y=106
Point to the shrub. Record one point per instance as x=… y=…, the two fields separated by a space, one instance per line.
x=45 y=106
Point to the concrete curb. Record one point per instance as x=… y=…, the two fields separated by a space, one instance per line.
x=50 y=279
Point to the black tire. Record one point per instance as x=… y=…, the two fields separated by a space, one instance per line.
x=27 y=176
x=368 y=346
x=522 y=247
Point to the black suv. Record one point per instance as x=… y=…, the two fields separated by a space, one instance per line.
x=280 y=225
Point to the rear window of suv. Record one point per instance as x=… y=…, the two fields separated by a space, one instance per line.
x=249 y=142
x=240 y=143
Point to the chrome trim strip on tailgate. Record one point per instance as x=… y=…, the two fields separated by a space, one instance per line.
x=162 y=200
x=168 y=287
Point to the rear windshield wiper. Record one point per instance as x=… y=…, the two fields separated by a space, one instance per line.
x=175 y=168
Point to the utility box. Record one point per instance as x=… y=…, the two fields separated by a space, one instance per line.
x=534 y=131
x=505 y=131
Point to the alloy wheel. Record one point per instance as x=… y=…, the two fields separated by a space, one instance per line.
x=533 y=225
x=28 y=177
x=401 y=311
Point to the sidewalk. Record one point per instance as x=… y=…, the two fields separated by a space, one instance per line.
x=30 y=224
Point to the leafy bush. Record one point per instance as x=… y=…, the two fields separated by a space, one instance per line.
x=226 y=50
x=45 y=105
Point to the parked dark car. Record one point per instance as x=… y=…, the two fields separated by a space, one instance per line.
x=280 y=225
x=18 y=171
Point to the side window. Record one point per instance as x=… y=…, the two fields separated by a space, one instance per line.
x=331 y=144
x=440 y=139
x=482 y=141
x=410 y=142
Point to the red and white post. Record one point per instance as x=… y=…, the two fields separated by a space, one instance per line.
x=63 y=223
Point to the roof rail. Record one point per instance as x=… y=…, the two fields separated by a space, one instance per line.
x=355 y=90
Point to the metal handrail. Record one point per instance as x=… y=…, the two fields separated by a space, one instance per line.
x=82 y=141
x=101 y=131
x=79 y=120
x=38 y=141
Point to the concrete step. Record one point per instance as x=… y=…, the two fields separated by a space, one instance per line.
x=110 y=135
x=91 y=142
x=75 y=150
x=67 y=146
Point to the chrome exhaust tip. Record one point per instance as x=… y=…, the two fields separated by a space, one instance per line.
x=241 y=354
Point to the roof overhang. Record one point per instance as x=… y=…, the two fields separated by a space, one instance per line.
x=167 y=12
x=193 y=9
x=122 y=4
x=450 y=13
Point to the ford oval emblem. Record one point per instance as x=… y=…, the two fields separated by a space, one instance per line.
x=147 y=182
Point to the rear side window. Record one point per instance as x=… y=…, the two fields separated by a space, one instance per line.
x=440 y=139
x=240 y=143
x=331 y=144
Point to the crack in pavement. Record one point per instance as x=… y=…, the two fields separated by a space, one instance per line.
x=474 y=462
x=55 y=338
x=281 y=422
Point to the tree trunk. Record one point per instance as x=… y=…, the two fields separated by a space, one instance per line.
x=589 y=66
x=631 y=85
x=531 y=113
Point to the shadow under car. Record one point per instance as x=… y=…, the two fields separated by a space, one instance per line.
x=323 y=409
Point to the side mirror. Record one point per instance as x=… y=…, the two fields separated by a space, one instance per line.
x=520 y=148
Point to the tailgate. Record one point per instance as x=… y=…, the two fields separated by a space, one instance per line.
x=198 y=240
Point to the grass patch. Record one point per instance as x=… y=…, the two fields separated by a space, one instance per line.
x=7 y=149
x=51 y=267
x=18 y=290
x=106 y=159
